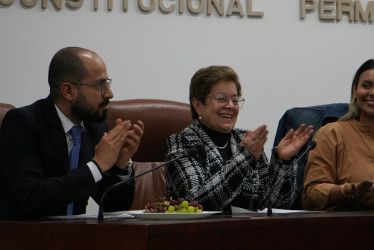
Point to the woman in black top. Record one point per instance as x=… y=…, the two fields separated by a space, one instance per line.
x=231 y=167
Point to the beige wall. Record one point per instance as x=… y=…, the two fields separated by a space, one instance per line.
x=283 y=61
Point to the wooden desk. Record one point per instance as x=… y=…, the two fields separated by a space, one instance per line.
x=334 y=230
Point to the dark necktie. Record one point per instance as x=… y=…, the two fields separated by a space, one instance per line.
x=76 y=132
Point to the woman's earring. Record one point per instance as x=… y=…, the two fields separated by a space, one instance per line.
x=200 y=117
x=355 y=100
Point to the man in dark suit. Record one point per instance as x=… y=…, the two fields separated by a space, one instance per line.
x=35 y=143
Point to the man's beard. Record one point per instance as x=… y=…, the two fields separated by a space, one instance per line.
x=87 y=113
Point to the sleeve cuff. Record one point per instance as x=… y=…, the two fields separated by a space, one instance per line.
x=275 y=157
x=123 y=172
x=95 y=170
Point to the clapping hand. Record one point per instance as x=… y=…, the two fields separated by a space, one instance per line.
x=293 y=141
x=254 y=141
x=110 y=145
x=131 y=145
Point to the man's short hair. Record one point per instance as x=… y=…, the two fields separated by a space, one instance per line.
x=66 y=66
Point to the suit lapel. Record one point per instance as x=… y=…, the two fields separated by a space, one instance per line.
x=90 y=136
x=87 y=150
x=56 y=131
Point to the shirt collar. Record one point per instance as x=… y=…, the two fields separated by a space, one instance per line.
x=67 y=124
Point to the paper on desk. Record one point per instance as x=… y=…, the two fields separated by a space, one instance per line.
x=239 y=210
x=110 y=215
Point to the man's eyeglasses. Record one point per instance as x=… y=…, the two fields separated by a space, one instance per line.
x=104 y=85
x=223 y=99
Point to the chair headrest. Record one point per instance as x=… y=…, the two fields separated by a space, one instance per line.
x=161 y=118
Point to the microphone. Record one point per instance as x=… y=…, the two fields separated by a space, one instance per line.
x=311 y=146
x=187 y=153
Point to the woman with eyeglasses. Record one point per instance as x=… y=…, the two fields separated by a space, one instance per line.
x=230 y=168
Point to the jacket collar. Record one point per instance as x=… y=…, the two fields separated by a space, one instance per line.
x=55 y=130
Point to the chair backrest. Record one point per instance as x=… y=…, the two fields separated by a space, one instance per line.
x=4 y=107
x=315 y=115
x=161 y=118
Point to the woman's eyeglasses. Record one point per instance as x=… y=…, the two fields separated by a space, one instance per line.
x=223 y=99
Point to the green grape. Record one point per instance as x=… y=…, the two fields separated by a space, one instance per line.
x=190 y=209
x=183 y=210
x=171 y=209
x=184 y=204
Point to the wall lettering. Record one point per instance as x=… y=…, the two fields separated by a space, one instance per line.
x=328 y=10
x=336 y=9
x=195 y=7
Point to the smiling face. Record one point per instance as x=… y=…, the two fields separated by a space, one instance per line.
x=220 y=117
x=364 y=92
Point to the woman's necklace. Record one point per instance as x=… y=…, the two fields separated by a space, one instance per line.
x=224 y=146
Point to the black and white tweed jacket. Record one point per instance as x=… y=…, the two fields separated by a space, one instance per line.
x=241 y=181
